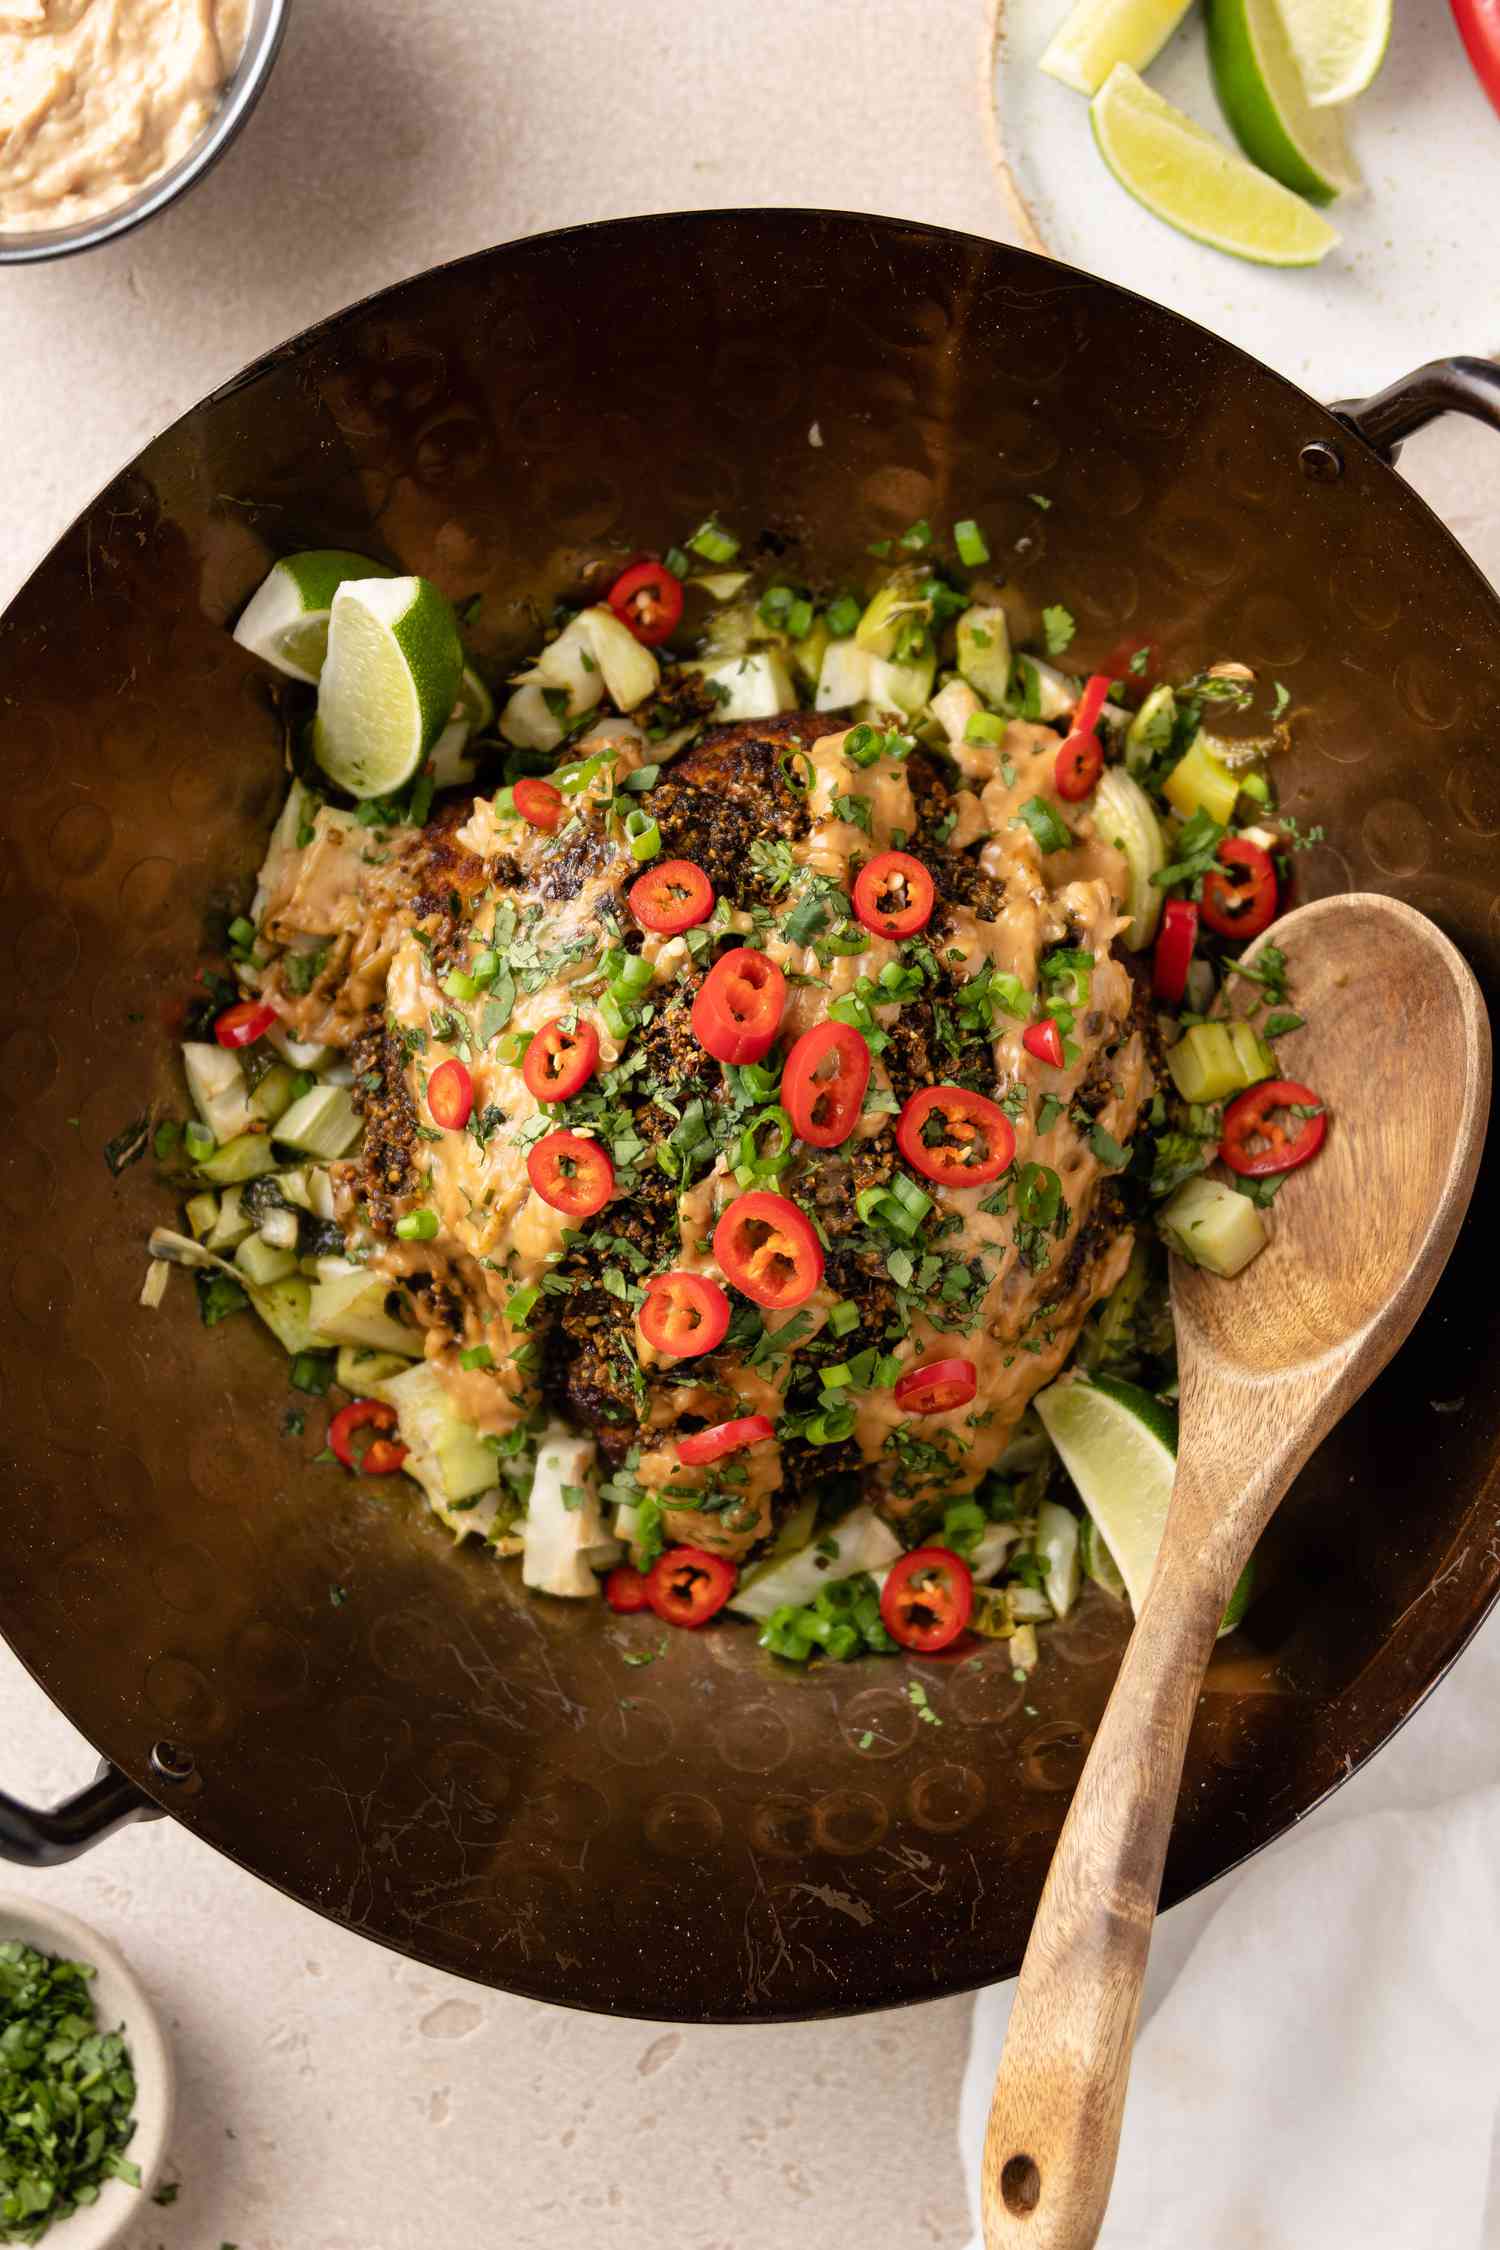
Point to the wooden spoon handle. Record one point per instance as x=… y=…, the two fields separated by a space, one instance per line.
x=1054 y=2127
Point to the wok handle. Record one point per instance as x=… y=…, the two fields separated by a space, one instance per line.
x=35 y=1838
x=1443 y=386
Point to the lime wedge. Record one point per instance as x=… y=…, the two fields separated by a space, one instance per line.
x=1100 y=33
x=1119 y=1445
x=390 y=681
x=1260 y=92
x=1338 y=45
x=286 y=618
x=475 y=704
x=1184 y=176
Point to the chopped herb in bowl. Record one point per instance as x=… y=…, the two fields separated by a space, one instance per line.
x=67 y=2094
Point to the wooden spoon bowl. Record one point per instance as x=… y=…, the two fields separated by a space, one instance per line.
x=1397 y=1044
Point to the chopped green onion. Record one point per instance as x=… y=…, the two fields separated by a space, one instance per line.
x=241 y=931
x=907 y=1192
x=799 y=619
x=1038 y=1194
x=1046 y=825
x=311 y=1373
x=984 y=727
x=755 y=1160
x=862 y=745
x=460 y=986
x=842 y=616
x=964 y=1525
x=792 y=763
x=519 y=1304
x=164 y=1140
x=1256 y=787
x=617 y=1021
x=505 y=804
x=485 y=966
x=916 y=536
x=969 y=540
x=758 y=1082
x=714 y=543
x=644 y=778
x=643 y=835
x=843 y=1318
x=831 y=1424
x=417 y=1226
x=676 y=561
x=631 y=978
x=477 y=1355
x=198 y=1141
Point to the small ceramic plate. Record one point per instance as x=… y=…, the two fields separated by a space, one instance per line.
x=1407 y=281
x=119 y=1998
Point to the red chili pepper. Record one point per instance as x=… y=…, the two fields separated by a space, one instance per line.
x=1173 y=957
x=955 y=1137
x=1044 y=1040
x=937 y=1385
x=769 y=1250
x=737 y=1012
x=647 y=598
x=701 y=1446
x=450 y=1096
x=1479 y=24
x=560 y=1062
x=1243 y=902
x=897 y=877
x=572 y=1173
x=1092 y=701
x=1255 y=1144
x=672 y=896
x=823 y=1084
x=383 y=1454
x=927 y=1599
x=684 y=1314
x=1080 y=762
x=687 y=1586
x=538 y=802
x=626 y=1590
x=242 y=1025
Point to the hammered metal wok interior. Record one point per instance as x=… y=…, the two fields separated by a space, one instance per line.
x=386 y=1727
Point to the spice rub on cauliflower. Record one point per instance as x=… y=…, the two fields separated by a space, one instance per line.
x=573 y=1015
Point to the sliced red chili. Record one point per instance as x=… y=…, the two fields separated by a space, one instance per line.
x=382 y=1454
x=561 y=1060
x=737 y=1011
x=684 y=1314
x=937 y=1385
x=626 y=1590
x=673 y=895
x=894 y=895
x=572 y=1173
x=538 y=802
x=823 y=1084
x=701 y=1446
x=1080 y=762
x=242 y=1025
x=955 y=1137
x=1256 y=1144
x=1044 y=1040
x=927 y=1599
x=769 y=1250
x=1092 y=701
x=1175 y=941
x=687 y=1586
x=450 y=1096
x=648 y=598
x=1240 y=895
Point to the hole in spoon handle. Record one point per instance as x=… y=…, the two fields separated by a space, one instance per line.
x=1020 y=2185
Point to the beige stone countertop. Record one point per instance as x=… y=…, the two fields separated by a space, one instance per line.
x=335 y=2097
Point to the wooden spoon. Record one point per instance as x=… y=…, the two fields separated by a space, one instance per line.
x=1397 y=1043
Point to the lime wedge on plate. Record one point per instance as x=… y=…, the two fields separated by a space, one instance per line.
x=1119 y=1446
x=475 y=705
x=286 y=619
x=1100 y=33
x=1184 y=176
x=389 y=684
x=1260 y=92
x=1338 y=45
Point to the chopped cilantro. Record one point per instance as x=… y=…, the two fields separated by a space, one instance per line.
x=1058 y=625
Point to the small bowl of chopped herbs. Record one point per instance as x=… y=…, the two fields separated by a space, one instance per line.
x=86 y=2083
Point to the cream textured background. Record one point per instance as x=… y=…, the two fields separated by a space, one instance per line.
x=334 y=2097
